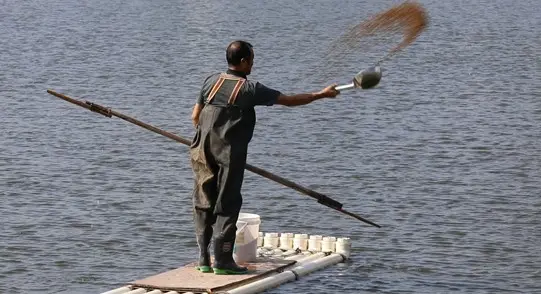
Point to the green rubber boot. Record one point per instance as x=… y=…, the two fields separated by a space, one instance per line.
x=224 y=263
x=231 y=269
x=203 y=241
x=204 y=268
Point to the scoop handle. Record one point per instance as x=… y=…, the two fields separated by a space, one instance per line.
x=345 y=87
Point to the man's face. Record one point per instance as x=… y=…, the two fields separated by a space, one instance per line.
x=248 y=63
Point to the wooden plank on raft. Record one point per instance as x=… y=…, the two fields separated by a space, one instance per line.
x=188 y=279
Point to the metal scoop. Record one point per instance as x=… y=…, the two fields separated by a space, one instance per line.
x=365 y=79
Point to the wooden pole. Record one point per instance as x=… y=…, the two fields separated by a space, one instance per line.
x=321 y=198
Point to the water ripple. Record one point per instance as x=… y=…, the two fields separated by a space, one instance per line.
x=444 y=155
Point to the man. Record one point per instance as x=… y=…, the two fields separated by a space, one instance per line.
x=225 y=118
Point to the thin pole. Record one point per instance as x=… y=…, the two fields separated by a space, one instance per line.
x=321 y=198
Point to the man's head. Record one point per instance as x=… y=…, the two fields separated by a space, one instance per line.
x=240 y=56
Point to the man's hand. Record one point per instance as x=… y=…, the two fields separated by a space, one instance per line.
x=195 y=114
x=329 y=91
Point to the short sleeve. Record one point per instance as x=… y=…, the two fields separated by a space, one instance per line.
x=201 y=98
x=264 y=95
x=205 y=89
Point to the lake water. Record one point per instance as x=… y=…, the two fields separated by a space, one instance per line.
x=445 y=154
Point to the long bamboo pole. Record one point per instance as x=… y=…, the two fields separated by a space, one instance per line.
x=321 y=198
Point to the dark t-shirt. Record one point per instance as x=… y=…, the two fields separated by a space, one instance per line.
x=251 y=94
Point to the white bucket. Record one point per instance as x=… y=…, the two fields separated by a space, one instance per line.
x=246 y=240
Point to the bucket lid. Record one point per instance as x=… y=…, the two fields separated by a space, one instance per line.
x=250 y=218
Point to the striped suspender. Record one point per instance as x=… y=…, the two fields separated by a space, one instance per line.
x=215 y=88
x=235 y=92
x=220 y=82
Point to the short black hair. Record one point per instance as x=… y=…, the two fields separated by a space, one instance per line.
x=236 y=51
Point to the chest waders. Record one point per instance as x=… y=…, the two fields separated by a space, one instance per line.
x=218 y=155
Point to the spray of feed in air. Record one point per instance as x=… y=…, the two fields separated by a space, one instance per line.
x=389 y=31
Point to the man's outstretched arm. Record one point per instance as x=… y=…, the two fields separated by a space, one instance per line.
x=306 y=98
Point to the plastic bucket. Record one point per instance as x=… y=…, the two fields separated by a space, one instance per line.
x=246 y=239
